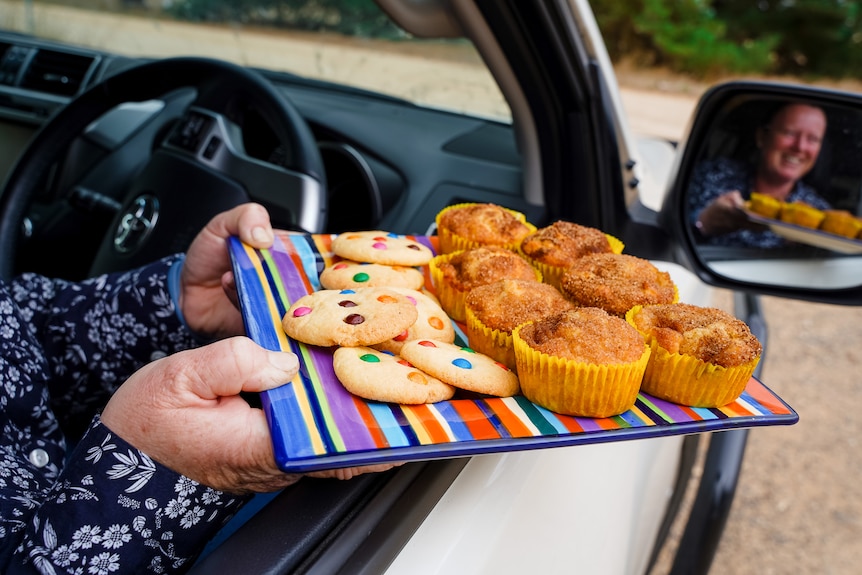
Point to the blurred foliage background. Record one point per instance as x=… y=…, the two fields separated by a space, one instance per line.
x=352 y=17
x=808 y=39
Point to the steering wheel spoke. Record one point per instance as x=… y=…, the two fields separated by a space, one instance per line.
x=200 y=169
x=215 y=142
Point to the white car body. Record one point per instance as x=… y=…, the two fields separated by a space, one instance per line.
x=588 y=508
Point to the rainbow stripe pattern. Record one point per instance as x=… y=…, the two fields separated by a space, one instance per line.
x=317 y=424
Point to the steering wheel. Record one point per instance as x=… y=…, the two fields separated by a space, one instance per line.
x=174 y=182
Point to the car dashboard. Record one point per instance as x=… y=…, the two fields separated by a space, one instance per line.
x=389 y=164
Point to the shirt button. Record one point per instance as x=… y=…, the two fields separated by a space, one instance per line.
x=39 y=457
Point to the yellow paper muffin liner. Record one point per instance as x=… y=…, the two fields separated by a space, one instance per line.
x=624 y=315
x=450 y=242
x=554 y=274
x=617 y=246
x=764 y=205
x=801 y=215
x=494 y=343
x=576 y=388
x=452 y=300
x=687 y=380
x=842 y=224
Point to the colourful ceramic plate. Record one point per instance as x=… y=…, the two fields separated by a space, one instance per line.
x=317 y=424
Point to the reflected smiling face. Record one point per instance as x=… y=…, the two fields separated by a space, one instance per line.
x=791 y=143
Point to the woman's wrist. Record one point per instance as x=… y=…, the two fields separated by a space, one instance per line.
x=175 y=288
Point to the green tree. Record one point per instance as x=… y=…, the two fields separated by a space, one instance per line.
x=352 y=17
x=684 y=35
x=814 y=37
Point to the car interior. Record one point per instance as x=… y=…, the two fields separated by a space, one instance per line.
x=378 y=173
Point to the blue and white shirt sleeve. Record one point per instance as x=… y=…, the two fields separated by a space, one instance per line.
x=106 y=507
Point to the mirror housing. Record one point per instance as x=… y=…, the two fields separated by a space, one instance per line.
x=811 y=264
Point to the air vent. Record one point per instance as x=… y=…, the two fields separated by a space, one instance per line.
x=60 y=73
x=9 y=64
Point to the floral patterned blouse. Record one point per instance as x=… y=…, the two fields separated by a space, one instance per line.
x=715 y=177
x=102 y=507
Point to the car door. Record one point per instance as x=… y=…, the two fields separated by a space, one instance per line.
x=592 y=508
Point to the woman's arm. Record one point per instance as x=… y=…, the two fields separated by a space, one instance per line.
x=95 y=334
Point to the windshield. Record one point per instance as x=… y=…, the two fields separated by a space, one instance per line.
x=350 y=42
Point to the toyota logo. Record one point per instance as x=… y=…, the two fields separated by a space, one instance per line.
x=136 y=223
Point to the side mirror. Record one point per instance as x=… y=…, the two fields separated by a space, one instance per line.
x=798 y=150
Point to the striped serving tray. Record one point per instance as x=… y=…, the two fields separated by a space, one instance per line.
x=317 y=424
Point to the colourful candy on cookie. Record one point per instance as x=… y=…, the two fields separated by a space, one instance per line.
x=432 y=322
x=382 y=376
x=461 y=367
x=348 y=274
x=363 y=316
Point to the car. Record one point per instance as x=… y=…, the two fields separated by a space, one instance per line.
x=120 y=145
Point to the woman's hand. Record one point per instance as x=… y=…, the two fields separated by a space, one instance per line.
x=185 y=412
x=207 y=289
x=723 y=215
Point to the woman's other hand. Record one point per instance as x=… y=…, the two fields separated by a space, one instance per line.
x=185 y=412
x=207 y=290
x=723 y=215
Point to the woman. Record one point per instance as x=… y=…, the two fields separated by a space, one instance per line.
x=788 y=148
x=176 y=450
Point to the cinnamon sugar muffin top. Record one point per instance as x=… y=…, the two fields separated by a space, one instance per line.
x=478 y=266
x=562 y=243
x=484 y=224
x=616 y=283
x=505 y=304
x=709 y=334
x=586 y=335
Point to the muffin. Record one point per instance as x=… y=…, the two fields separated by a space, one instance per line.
x=465 y=226
x=583 y=362
x=801 y=214
x=455 y=274
x=701 y=356
x=554 y=248
x=616 y=283
x=764 y=205
x=494 y=310
x=842 y=223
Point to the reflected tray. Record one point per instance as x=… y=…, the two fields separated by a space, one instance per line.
x=808 y=236
x=317 y=424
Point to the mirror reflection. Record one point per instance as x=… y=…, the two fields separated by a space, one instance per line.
x=774 y=197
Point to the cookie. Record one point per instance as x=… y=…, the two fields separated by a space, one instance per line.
x=381 y=376
x=348 y=274
x=364 y=316
x=432 y=322
x=379 y=247
x=461 y=367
